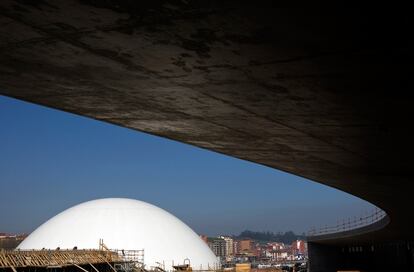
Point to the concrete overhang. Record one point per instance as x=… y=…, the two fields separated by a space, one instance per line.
x=320 y=93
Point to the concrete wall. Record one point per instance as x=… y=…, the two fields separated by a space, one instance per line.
x=10 y=243
x=391 y=256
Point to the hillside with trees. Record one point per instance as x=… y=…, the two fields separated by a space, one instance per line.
x=267 y=236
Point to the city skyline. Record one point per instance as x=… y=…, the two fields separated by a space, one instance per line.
x=53 y=160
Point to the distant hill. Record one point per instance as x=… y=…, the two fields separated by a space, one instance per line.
x=267 y=236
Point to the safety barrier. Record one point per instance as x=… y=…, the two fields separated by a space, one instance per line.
x=349 y=223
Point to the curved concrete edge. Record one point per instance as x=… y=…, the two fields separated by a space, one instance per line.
x=382 y=223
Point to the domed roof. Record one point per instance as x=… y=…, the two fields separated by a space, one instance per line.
x=124 y=224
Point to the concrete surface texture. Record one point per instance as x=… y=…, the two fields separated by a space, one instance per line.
x=320 y=93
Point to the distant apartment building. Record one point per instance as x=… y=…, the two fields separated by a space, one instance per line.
x=229 y=245
x=260 y=250
x=245 y=246
x=218 y=246
x=281 y=255
x=299 y=247
x=235 y=247
x=275 y=245
x=4 y=235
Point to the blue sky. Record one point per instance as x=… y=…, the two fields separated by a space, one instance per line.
x=51 y=160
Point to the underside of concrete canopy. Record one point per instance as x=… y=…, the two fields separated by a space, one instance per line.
x=320 y=93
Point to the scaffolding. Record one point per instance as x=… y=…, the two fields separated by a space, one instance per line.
x=132 y=260
x=55 y=258
x=115 y=260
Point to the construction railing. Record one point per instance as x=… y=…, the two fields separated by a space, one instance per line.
x=350 y=223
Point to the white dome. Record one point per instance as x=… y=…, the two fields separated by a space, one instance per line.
x=124 y=224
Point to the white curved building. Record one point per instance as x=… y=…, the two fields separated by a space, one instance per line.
x=124 y=224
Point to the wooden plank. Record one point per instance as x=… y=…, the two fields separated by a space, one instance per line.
x=94 y=267
x=110 y=265
x=80 y=267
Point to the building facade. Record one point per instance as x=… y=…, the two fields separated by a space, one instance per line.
x=218 y=246
x=229 y=245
